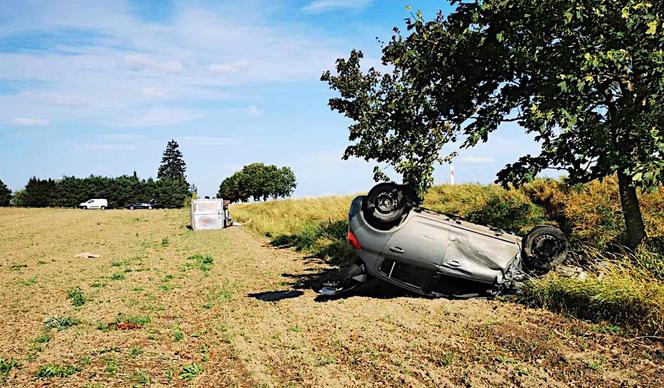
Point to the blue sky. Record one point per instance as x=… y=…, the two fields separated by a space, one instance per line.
x=99 y=87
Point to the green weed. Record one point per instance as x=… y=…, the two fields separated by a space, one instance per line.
x=43 y=338
x=178 y=335
x=6 y=366
x=60 y=323
x=135 y=351
x=190 y=371
x=200 y=262
x=447 y=359
x=141 y=377
x=52 y=370
x=76 y=296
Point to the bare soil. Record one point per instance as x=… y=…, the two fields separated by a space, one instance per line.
x=150 y=313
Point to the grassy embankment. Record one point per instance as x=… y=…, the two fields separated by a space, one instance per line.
x=626 y=289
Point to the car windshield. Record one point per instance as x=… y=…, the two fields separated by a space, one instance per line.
x=90 y=201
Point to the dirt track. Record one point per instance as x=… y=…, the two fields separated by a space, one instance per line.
x=216 y=318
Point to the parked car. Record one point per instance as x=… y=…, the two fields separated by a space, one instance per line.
x=142 y=205
x=439 y=255
x=94 y=204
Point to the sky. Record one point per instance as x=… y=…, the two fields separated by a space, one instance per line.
x=99 y=87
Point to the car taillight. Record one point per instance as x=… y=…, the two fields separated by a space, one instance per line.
x=354 y=242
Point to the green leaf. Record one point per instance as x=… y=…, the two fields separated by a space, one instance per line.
x=652 y=28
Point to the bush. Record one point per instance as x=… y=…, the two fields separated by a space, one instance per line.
x=622 y=291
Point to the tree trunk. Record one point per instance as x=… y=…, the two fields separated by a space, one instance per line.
x=636 y=230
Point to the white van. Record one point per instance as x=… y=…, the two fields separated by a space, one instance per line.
x=94 y=204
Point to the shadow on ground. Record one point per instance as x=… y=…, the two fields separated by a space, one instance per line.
x=275 y=296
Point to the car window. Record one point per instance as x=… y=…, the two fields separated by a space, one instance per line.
x=90 y=201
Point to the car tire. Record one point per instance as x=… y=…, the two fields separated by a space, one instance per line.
x=103 y=208
x=131 y=208
x=149 y=207
x=543 y=248
x=385 y=205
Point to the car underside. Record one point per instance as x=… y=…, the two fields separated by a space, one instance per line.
x=439 y=255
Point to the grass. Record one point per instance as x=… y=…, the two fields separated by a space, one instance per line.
x=233 y=339
x=133 y=320
x=190 y=371
x=6 y=366
x=76 y=296
x=60 y=323
x=615 y=290
x=200 y=262
x=52 y=370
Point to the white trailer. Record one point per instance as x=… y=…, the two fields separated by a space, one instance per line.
x=210 y=214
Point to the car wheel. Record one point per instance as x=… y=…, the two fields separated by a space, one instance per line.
x=384 y=206
x=131 y=208
x=149 y=207
x=103 y=208
x=544 y=247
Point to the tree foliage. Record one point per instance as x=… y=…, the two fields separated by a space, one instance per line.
x=586 y=78
x=5 y=194
x=258 y=181
x=172 y=163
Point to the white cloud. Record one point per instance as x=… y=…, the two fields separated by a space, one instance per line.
x=228 y=67
x=139 y=62
x=319 y=6
x=250 y=111
x=29 y=122
x=470 y=159
x=202 y=55
x=160 y=117
x=152 y=91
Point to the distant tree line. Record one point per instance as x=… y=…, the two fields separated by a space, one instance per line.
x=5 y=194
x=120 y=191
x=257 y=181
x=170 y=190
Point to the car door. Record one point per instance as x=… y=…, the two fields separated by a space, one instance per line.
x=420 y=242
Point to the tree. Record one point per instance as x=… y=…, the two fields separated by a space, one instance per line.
x=172 y=164
x=5 y=194
x=258 y=181
x=586 y=78
x=171 y=193
x=39 y=193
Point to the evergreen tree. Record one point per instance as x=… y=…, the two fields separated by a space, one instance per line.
x=172 y=164
x=5 y=194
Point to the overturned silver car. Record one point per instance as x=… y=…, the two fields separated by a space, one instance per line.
x=439 y=255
